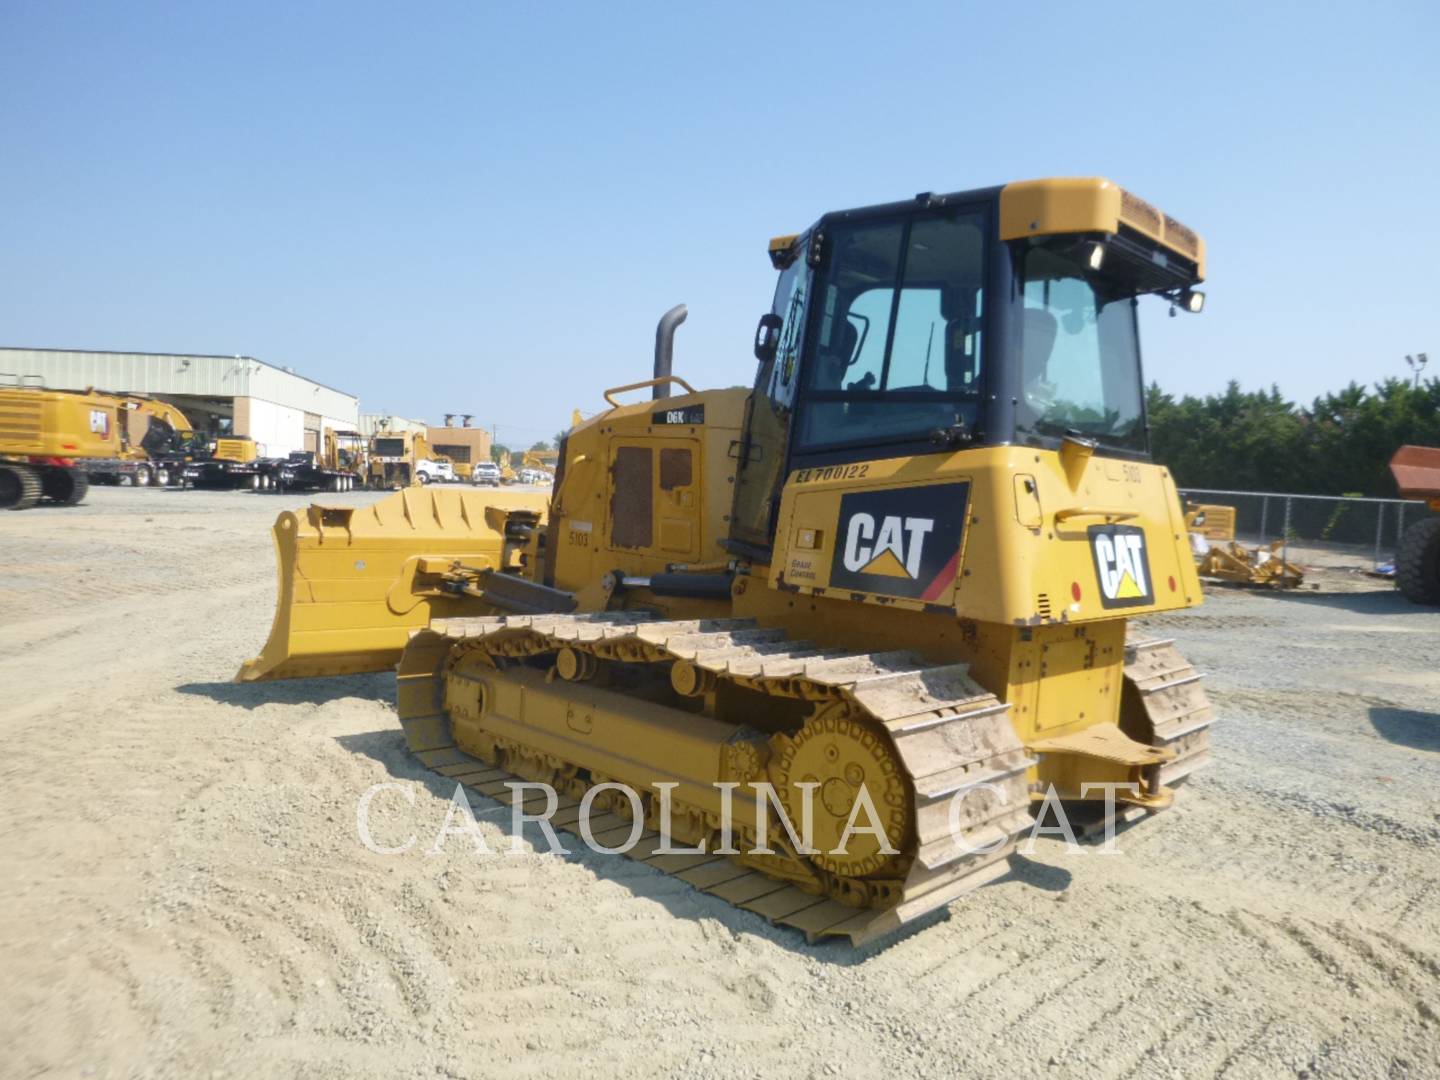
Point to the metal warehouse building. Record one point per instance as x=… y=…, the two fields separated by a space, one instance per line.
x=237 y=395
x=373 y=423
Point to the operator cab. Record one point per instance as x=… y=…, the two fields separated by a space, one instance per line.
x=1002 y=316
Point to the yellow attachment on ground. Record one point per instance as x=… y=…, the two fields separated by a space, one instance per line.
x=1212 y=521
x=355 y=582
x=1251 y=566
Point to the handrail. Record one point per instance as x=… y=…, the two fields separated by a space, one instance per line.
x=1094 y=511
x=642 y=385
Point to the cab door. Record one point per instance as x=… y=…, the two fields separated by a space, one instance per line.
x=761 y=451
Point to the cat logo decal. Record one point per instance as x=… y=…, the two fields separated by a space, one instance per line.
x=903 y=542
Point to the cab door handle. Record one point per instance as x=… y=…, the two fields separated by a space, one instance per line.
x=1094 y=511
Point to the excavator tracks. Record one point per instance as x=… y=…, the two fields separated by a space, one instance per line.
x=953 y=742
x=1164 y=687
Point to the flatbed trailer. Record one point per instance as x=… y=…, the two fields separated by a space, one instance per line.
x=302 y=471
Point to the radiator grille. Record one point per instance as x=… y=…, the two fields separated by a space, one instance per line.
x=19 y=420
x=1139 y=213
x=1182 y=237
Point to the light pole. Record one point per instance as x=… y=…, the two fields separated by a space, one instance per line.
x=1417 y=364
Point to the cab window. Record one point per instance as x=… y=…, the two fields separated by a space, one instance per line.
x=898 y=345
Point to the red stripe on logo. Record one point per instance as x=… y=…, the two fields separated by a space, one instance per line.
x=944 y=579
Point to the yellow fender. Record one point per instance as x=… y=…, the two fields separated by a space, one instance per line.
x=355 y=582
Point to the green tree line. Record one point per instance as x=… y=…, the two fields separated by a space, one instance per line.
x=1260 y=441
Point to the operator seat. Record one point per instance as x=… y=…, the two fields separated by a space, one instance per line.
x=1037 y=341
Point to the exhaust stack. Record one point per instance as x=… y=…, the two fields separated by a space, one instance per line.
x=665 y=346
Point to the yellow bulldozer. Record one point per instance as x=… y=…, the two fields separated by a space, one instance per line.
x=44 y=433
x=887 y=591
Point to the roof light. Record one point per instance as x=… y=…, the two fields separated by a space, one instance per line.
x=1192 y=301
x=1095 y=256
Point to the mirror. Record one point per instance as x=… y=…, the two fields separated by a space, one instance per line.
x=767 y=337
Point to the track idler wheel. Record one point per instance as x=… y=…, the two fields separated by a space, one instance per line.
x=841 y=760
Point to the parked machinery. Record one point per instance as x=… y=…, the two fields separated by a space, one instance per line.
x=46 y=435
x=1416 y=470
x=399 y=459
x=540 y=461
x=159 y=443
x=391 y=460
x=234 y=462
x=337 y=467
x=898 y=573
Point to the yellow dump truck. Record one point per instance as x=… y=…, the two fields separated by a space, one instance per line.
x=45 y=437
x=401 y=458
x=895 y=581
x=1416 y=470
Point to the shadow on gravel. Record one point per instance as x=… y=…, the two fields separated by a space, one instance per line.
x=647 y=883
x=1407 y=727
x=1043 y=876
x=376 y=686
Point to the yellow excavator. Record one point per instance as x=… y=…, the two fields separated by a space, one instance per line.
x=508 y=475
x=45 y=433
x=894 y=580
x=159 y=443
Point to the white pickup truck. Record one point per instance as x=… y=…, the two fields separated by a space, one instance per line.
x=435 y=472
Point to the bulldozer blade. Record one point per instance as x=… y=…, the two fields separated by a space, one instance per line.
x=356 y=582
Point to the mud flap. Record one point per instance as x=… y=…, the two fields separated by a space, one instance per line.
x=353 y=582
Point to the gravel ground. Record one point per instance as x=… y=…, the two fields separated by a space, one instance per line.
x=183 y=891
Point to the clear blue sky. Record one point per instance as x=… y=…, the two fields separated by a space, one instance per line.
x=484 y=208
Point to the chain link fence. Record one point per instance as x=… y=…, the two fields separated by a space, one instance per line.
x=1352 y=529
